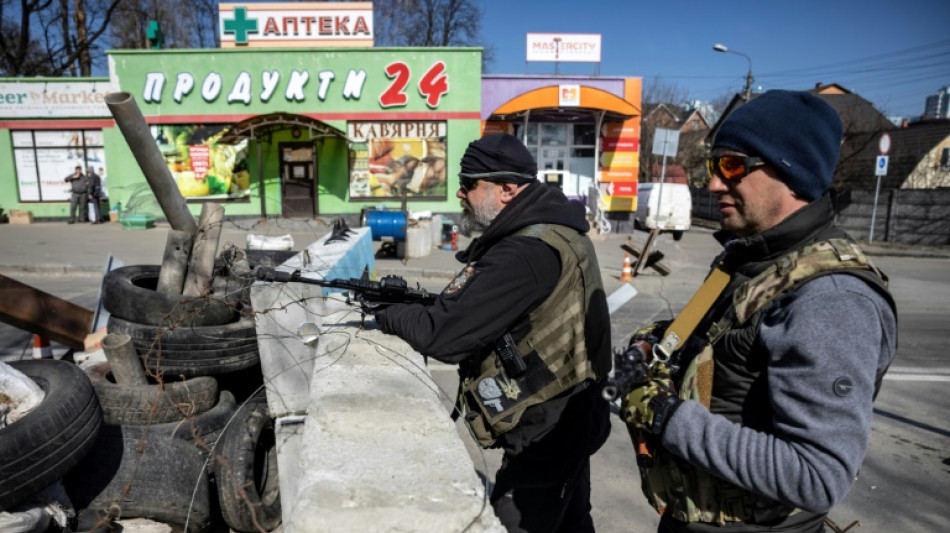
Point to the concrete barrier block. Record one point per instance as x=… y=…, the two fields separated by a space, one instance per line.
x=382 y=453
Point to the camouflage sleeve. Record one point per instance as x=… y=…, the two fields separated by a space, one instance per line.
x=825 y=344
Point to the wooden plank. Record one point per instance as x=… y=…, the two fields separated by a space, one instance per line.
x=643 y=252
x=41 y=313
x=630 y=250
x=654 y=261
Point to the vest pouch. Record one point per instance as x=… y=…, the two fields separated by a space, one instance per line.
x=672 y=489
x=675 y=487
x=697 y=383
x=494 y=402
x=489 y=412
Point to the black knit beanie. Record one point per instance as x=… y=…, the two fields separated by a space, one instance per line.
x=795 y=132
x=499 y=157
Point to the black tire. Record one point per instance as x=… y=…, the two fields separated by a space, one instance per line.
x=239 y=333
x=41 y=447
x=193 y=351
x=140 y=405
x=677 y=235
x=161 y=473
x=249 y=450
x=206 y=426
x=129 y=293
x=243 y=383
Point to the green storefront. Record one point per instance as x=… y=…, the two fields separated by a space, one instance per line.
x=277 y=132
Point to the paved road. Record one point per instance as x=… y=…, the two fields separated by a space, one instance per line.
x=906 y=476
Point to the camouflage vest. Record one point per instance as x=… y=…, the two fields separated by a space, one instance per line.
x=690 y=494
x=554 y=348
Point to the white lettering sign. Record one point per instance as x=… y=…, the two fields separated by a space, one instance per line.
x=318 y=23
x=54 y=99
x=564 y=47
x=362 y=131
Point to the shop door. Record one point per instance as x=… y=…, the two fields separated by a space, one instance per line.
x=297 y=180
x=551 y=165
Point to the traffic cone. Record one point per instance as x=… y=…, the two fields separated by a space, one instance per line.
x=627 y=273
x=41 y=348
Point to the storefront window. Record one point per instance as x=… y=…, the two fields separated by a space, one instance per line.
x=553 y=134
x=202 y=167
x=584 y=134
x=43 y=159
x=582 y=165
x=565 y=154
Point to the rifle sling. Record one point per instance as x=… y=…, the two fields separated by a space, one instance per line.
x=684 y=324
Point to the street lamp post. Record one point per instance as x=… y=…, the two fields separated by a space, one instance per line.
x=748 y=77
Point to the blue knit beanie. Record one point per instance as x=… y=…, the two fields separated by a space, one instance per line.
x=795 y=132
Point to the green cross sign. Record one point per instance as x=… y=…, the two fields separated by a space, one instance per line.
x=240 y=25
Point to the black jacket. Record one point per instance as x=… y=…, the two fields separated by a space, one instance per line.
x=95 y=184
x=505 y=278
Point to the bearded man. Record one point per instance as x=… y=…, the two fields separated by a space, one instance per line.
x=526 y=320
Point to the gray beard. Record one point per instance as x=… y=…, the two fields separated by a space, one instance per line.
x=475 y=220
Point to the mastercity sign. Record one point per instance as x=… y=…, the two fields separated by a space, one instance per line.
x=564 y=47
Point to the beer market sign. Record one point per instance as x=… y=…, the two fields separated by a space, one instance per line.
x=54 y=99
x=325 y=24
x=298 y=85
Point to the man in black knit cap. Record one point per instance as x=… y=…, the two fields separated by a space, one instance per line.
x=762 y=415
x=532 y=279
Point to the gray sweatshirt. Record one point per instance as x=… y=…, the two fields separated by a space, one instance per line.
x=831 y=330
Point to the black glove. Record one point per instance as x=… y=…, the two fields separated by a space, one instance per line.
x=649 y=407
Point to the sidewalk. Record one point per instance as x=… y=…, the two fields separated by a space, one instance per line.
x=55 y=247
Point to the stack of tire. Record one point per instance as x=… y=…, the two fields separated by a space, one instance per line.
x=44 y=445
x=195 y=445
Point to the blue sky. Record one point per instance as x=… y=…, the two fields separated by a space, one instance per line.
x=894 y=53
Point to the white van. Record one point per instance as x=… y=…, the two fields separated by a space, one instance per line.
x=674 y=213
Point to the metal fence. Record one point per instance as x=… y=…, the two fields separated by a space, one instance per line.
x=907 y=216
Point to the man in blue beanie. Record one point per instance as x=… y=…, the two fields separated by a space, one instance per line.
x=526 y=320
x=761 y=415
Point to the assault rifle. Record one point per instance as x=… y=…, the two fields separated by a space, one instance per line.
x=388 y=290
x=632 y=370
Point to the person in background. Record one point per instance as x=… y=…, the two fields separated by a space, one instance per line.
x=95 y=193
x=530 y=286
x=78 y=183
x=762 y=416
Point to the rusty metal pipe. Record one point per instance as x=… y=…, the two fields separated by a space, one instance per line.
x=124 y=362
x=132 y=124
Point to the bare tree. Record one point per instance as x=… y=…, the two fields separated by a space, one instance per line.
x=430 y=23
x=43 y=37
x=663 y=103
x=180 y=28
x=660 y=91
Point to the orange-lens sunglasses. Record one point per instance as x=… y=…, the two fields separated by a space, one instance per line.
x=732 y=167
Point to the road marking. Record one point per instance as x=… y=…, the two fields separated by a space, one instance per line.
x=624 y=294
x=920 y=369
x=915 y=377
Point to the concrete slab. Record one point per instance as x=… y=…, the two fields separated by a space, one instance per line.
x=381 y=452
